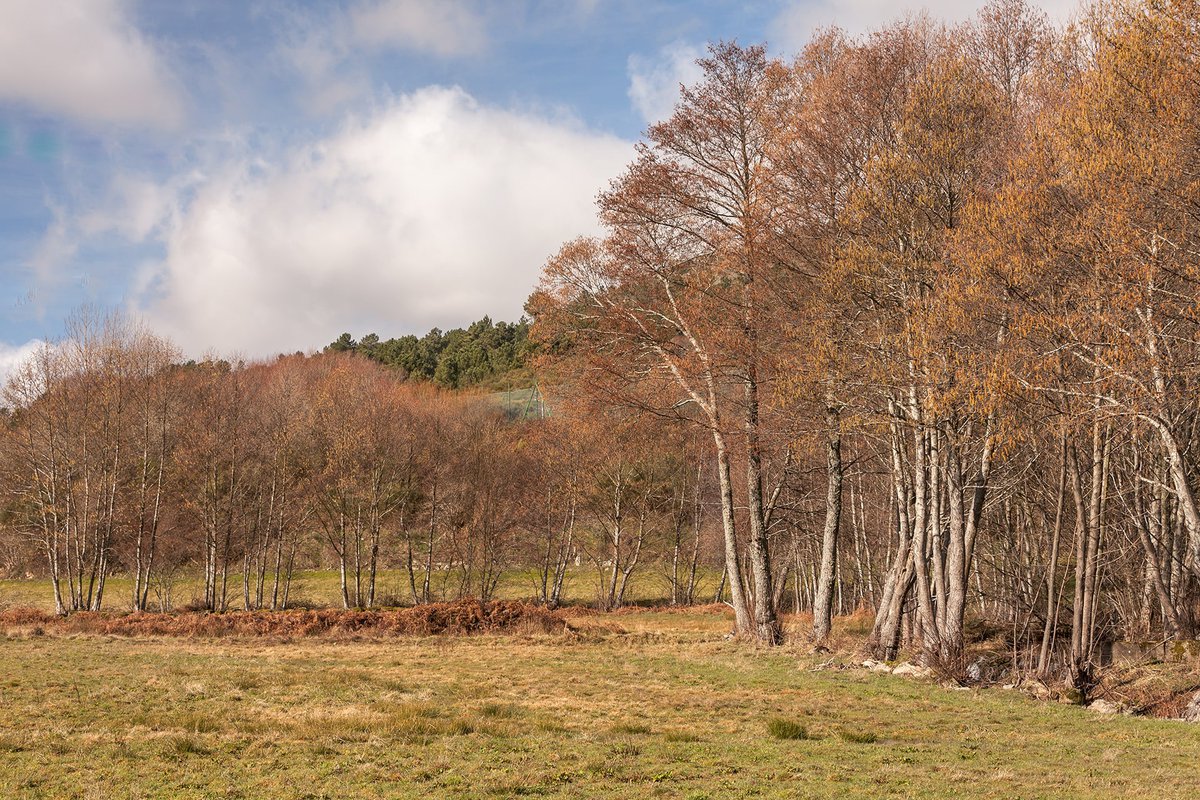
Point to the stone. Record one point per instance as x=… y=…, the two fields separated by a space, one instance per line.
x=975 y=671
x=912 y=670
x=1038 y=689
x=1102 y=706
x=1192 y=712
x=876 y=666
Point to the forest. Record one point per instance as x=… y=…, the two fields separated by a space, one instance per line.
x=906 y=323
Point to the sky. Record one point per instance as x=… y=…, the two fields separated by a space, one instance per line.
x=253 y=177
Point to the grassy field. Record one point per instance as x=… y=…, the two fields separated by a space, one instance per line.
x=633 y=705
x=323 y=588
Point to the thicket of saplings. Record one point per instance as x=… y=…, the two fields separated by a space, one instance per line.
x=907 y=323
x=118 y=460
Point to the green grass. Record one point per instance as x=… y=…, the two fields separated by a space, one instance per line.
x=780 y=728
x=859 y=737
x=667 y=710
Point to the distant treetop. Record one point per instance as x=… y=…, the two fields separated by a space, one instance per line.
x=487 y=354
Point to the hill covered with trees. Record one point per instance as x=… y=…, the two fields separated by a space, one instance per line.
x=485 y=354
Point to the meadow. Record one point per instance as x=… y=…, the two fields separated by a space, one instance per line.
x=643 y=704
x=322 y=589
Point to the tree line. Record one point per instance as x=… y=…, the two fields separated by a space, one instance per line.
x=118 y=459
x=950 y=272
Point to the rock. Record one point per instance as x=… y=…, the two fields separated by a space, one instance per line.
x=975 y=671
x=1071 y=697
x=1038 y=689
x=912 y=670
x=876 y=666
x=1192 y=712
x=1102 y=706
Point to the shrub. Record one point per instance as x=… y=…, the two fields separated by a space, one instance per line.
x=950 y=665
x=458 y=618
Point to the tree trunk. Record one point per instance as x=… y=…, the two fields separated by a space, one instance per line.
x=766 y=623
x=822 y=606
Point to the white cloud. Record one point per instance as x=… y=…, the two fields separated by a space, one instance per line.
x=441 y=27
x=317 y=48
x=796 y=23
x=84 y=59
x=323 y=46
x=57 y=246
x=13 y=356
x=654 y=82
x=136 y=207
x=434 y=210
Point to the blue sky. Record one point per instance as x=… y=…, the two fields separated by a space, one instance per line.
x=256 y=176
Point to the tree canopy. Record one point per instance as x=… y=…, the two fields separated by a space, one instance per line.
x=493 y=355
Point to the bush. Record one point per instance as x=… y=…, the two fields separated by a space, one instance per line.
x=950 y=665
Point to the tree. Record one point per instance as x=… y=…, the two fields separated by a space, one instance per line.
x=676 y=288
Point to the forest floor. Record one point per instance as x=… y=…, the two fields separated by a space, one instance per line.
x=646 y=704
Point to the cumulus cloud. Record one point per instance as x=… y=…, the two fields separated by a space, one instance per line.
x=796 y=23
x=654 y=81
x=432 y=26
x=13 y=356
x=137 y=207
x=434 y=210
x=84 y=60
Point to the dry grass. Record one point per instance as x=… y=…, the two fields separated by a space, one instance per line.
x=671 y=709
x=322 y=588
x=1156 y=690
